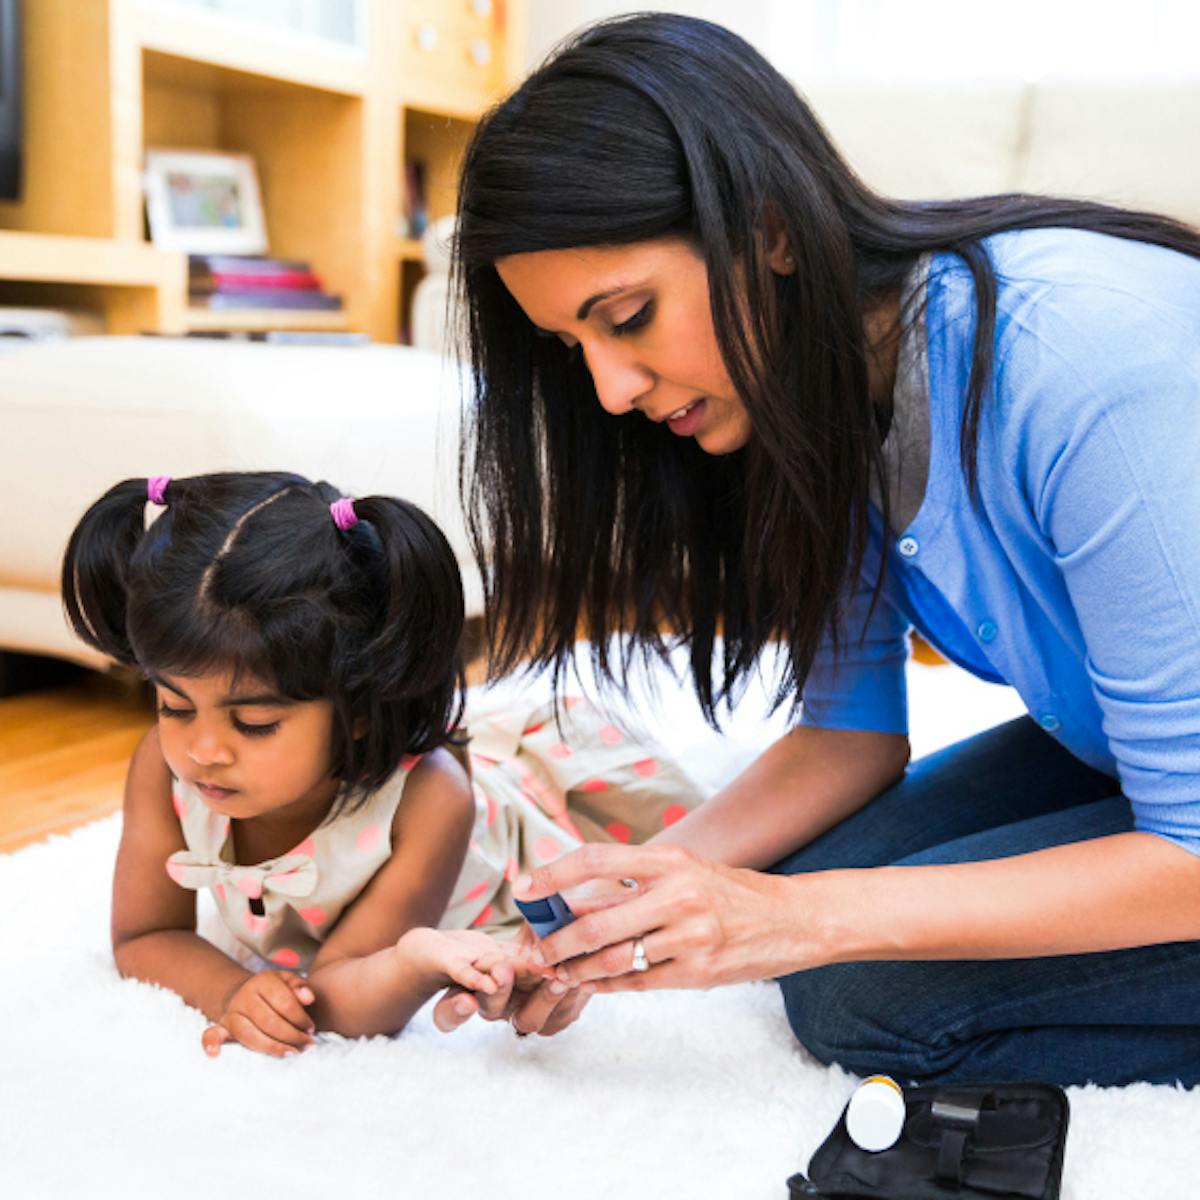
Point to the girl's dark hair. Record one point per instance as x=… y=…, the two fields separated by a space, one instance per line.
x=660 y=126
x=249 y=573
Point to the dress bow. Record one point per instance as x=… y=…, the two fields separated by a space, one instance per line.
x=292 y=875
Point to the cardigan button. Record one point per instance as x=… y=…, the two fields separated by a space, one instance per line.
x=987 y=631
x=1049 y=722
x=908 y=546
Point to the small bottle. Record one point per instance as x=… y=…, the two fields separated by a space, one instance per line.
x=875 y=1114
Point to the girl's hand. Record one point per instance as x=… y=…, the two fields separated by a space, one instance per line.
x=459 y=956
x=266 y=1013
x=525 y=997
x=701 y=924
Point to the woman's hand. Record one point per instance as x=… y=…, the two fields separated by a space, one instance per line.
x=525 y=997
x=265 y=1013
x=701 y=924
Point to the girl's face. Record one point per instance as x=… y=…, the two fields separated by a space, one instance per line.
x=640 y=316
x=245 y=750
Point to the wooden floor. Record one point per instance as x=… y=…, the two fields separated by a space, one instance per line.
x=63 y=755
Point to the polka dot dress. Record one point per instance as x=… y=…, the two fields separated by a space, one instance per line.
x=542 y=787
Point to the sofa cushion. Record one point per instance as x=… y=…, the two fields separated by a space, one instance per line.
x=1133 y=142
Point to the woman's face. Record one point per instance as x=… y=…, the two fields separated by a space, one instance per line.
x=640 y=316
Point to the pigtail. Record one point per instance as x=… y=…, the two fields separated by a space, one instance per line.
x=408 y=676
x=96 y=567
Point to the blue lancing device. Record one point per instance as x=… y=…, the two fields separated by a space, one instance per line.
x=546 y=915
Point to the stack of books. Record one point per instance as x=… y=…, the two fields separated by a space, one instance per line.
x=223 y=281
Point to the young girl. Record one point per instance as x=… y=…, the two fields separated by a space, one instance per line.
x=305 y=653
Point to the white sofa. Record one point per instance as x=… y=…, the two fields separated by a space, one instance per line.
x=1134 y=142
x=77 y=416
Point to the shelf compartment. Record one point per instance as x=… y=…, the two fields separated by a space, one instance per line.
x=248 y=52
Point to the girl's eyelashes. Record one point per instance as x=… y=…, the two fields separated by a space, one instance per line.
x=265 y=730
x=255 y=730
x=639 y=319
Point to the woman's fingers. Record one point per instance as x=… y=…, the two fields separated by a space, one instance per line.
x=568 y=1010
x=455 y=1007
x=601 y=861
x=599 y=933
x=536 y=1008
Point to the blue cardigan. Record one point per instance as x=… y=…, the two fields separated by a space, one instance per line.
x=1076 y=576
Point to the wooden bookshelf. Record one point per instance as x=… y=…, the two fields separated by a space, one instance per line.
x=330 y=128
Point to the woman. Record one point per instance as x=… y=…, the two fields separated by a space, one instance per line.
x=839 y=417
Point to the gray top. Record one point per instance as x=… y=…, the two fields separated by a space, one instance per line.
x=906 y=446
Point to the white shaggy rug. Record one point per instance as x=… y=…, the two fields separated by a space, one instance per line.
x=104 y=1090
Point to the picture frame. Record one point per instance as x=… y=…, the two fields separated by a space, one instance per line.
x=203 y=202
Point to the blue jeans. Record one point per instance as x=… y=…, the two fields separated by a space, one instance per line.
x=1108 y=1018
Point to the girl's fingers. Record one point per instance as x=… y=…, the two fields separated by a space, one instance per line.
x=278 y=1028
x=213 y=1038
x=244 y=1031
x=281 y=996
x=468 y=975
x=300 y=986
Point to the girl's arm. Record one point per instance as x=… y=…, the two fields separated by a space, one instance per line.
x=153 y=919
x=384 y=959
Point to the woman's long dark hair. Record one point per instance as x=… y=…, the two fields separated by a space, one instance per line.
x=659 y=126
x=249 y=573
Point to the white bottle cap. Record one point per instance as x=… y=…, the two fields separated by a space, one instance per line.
x=875 y=1114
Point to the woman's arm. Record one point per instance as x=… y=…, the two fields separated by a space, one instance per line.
x=807 y=782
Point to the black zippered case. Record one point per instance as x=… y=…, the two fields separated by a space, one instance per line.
x=985 y=1141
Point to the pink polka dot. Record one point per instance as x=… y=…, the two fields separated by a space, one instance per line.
x=595 y=785
x=314 y=916
x=285 y=958
x=571 y=701
x=368 y=838
x=409 y=761
x=308 y=846
x=249 y=885
x=533 y=729
x=610 y=735
x=559 y=750
x=511 y=868
x=252 y=923
x=646 y=767
x=547 y=848
x=620 y=832
x=492 y=809
x=672 y=813
x=224 y=826
x=175 y=870
x=484 y=917
x=478 y=890
x=178 y=803
x=220 y=890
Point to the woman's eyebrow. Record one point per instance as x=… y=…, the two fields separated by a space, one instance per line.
x=587 y=306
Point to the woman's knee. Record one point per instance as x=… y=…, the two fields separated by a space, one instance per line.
x=858 y=1016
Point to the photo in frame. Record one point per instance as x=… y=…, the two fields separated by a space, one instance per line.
x=203 y=202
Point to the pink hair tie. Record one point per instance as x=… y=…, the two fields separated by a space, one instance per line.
x=343 y=513
x=156 y=486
